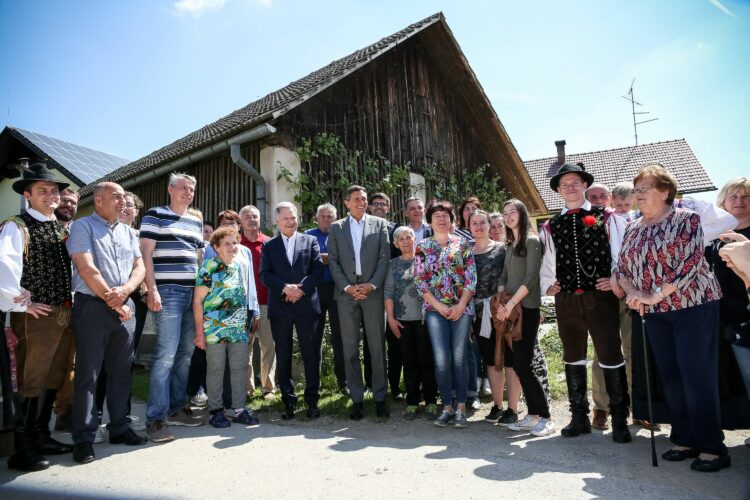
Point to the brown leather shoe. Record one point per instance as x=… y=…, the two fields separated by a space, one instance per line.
x=600 y=420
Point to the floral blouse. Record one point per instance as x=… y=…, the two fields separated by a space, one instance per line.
x=225 y=305
x=669 y=252
x=445 y=272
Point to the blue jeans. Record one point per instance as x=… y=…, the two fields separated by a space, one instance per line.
x=472 y=364
x=449 y=349
x=175 y=331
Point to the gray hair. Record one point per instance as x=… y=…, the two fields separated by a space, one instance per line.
x=283 y=205
x=413 y=198
x=326 y=206
x=401 y=230
x=623 y=189
x=497 y=215
x=247 y=208
x=596 y=185
x=176 y=176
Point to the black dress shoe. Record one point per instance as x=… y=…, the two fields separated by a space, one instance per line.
x=83 y=453
x=714 y=465
x=28 y=460
x=129 y=437
x=313 y=412
x=358 y=411
x=46 y=445
x=680 y=455
x=288 y=412
x=381 y=410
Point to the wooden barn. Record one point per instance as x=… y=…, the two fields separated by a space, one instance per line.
x=410 y=98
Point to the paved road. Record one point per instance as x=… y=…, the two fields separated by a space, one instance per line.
x=333 y=458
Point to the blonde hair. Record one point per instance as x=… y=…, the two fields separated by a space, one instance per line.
x=736 y=184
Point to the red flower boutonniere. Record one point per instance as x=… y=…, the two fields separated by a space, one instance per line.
x=579 y=291
x=589 y=221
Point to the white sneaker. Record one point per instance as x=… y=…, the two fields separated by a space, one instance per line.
x=136 y=424
x=100 y=432
x=527 y=423
x=486 y=389
x=200 y=398
x=545 y=427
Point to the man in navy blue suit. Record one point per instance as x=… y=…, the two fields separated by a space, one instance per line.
x=291 y=268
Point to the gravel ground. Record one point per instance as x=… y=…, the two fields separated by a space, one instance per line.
x=336 y=458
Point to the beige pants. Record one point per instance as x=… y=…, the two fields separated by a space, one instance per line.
x=43 y=349
x=267 y=356
x=598 y=388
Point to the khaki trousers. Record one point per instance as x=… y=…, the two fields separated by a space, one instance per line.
x=267 y=356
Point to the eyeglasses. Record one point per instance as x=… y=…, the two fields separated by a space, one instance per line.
x=378 y=204
x=641 y=189
x=130 y=205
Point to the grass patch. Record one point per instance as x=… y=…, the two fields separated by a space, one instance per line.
x=553 y=351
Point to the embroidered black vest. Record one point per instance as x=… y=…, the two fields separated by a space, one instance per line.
x=46 y=267
x=583 y=251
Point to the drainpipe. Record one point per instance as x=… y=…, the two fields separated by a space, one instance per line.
x=260 y=181
x=249 y=136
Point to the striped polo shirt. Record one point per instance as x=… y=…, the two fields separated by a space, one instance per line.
x=178 y=238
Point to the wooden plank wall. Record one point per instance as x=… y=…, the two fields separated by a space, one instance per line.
x=399 y=106
x=221 y=184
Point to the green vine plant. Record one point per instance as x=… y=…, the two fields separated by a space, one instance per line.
x=329 y=168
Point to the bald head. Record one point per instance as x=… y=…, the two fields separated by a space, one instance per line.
x=109 y=200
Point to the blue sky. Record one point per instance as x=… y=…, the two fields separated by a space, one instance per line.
x=130 y=77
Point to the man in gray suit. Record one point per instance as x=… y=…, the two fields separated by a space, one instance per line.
x=358 y=259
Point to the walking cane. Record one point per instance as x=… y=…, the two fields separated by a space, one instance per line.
x=654 y=460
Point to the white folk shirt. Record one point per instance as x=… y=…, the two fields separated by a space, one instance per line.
x=547 y=274
x=11 y=263
x=357 y=230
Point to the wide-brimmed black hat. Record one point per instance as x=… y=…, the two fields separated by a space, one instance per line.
x=34 y=173
x=570 y=168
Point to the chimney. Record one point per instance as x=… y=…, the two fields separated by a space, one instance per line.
x=560 y=151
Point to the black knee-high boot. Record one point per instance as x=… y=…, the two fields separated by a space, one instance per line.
x=26 y=458
x=575 y=376
x=616 y=382
x=43 y=441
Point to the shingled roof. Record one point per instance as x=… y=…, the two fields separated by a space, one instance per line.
x=615 y=165
x=269 y=107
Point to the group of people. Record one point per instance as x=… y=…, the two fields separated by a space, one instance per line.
x=451 y=298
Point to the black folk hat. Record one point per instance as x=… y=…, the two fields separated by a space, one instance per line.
x=35 y=173
x=569 y=168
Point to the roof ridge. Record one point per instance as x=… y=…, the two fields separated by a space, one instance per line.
x=610 y=150
x=359 y=55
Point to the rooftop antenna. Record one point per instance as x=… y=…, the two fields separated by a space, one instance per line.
x=633 y=103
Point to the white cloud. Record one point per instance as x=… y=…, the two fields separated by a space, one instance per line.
x=197 y=7
x=718 y=5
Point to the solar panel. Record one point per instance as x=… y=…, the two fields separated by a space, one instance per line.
x=85 y=163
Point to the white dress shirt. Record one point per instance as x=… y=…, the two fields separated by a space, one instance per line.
x=547 y=274
x=11 y=263
x=289 y=243
x=357 y=230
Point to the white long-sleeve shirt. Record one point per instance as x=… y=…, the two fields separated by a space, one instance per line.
x=548 y=272
x=11 y=262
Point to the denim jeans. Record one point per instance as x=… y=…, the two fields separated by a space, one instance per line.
x=472 y=365
x=175 y=331
x=449 y=348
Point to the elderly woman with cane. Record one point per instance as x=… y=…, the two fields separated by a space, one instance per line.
x=666 y=277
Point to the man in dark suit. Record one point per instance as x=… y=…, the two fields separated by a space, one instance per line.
x=358 y=260
x=291 y=268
